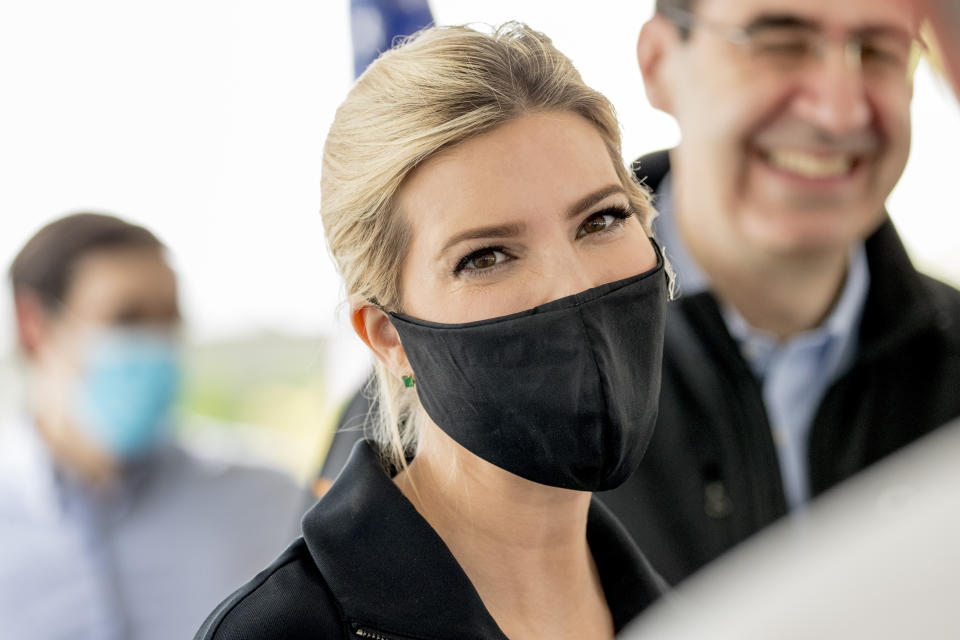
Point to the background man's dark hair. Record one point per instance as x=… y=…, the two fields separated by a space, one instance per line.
x=46 y=264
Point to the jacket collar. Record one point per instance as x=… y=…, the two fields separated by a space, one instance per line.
x=389 y=570
x=900 y=302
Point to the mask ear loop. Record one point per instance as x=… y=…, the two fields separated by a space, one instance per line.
x=668 y=273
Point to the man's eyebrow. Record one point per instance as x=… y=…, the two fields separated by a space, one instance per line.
x=780 y=21
x=493 y=231
x=588 y=201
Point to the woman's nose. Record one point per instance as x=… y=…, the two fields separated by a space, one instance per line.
x=566 y=274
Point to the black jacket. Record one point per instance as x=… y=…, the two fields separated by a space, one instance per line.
x=369 y=566
x=711 y=478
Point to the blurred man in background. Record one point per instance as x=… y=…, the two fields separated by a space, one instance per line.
x=108 y=530
x=804 y=346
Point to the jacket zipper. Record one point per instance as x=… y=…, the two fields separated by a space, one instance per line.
x=371 y=634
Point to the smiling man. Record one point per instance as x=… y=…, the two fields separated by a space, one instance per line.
x=804 y=346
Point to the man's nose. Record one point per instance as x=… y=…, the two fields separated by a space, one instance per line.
x=834 y=94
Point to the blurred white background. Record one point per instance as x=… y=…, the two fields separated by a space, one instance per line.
x=205 y=120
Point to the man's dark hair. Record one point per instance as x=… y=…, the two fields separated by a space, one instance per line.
x=664 y=6
x=668 y=9
x=45 y=265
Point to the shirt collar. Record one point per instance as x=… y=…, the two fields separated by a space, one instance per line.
x=690 y=278
x=836 y=337
x=844 y=319
x=390 y=570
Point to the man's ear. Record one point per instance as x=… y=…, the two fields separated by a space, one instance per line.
x=33 y=322
x=656 y=39
x=374 y=327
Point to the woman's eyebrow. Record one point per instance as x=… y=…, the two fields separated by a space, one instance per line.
x=588 y=201
x=516 y=228
x=493 y=231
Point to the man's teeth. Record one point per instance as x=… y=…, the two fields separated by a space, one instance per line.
x=809 y=165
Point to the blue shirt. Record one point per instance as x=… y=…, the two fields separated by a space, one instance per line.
x=148 y=559
x=794 y=374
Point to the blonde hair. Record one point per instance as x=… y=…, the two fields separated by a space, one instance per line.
x=437 y=89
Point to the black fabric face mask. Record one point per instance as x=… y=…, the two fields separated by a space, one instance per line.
x=564 y=394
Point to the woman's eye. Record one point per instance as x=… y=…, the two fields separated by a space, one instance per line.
x=481 y=260
x=597 y=223
x=484 y=260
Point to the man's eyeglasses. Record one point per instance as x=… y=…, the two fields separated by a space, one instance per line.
x=788 y=43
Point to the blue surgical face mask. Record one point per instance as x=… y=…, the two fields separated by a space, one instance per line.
x=127 y=389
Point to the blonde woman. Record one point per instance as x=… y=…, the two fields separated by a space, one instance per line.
x=497 y=257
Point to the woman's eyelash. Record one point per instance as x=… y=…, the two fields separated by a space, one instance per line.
x=618 y=213
x=621 y=213
x=465 y=260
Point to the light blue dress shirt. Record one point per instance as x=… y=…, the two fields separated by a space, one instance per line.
x=794 y=374
x=148 y=559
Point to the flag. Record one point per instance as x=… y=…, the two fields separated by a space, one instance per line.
x=375 y=23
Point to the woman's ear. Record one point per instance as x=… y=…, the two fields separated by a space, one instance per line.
x=374 y=327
